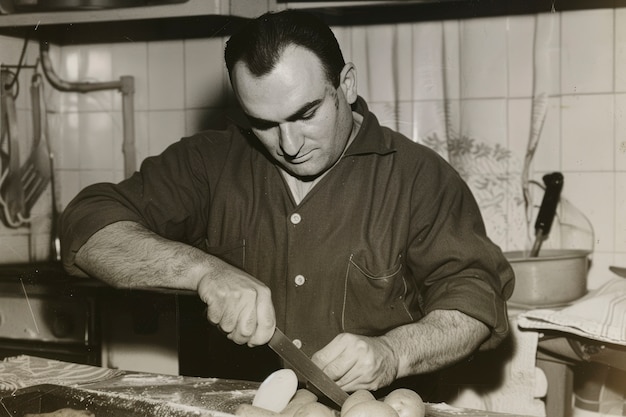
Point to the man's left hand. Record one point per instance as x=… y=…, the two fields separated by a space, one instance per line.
x=358 y=362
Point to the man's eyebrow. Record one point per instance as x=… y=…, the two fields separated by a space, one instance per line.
x=293 y=117
x=303 y=110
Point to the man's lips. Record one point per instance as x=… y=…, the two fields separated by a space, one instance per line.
x=298 y=159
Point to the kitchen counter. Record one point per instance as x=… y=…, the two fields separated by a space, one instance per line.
x=106 y=392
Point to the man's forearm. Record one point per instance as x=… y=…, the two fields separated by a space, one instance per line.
x=126 y=254
x=439 y=339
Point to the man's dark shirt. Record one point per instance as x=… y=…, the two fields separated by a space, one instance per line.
x=389 y=234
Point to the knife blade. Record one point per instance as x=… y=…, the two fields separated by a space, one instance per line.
x=302 y=364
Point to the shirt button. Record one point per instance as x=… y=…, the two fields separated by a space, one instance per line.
x=299 y=280
x=297 y=343
x=296 y=218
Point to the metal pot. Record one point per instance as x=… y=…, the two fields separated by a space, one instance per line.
x=555 y=278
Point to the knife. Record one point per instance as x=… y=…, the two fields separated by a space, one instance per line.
x=547 y=210
x=285 y=348
x=301 y=363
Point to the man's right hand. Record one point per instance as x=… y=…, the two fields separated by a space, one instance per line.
x=240 y=305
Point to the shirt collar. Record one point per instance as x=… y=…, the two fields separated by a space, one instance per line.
x=371 y=138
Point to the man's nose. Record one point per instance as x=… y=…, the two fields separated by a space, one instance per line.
x=290 y=139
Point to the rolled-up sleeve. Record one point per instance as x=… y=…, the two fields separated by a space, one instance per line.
x=461 y=268
x=167 y=195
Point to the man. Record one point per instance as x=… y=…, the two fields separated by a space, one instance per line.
x=365 y=248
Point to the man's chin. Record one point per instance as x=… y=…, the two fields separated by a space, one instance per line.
x=302 y=173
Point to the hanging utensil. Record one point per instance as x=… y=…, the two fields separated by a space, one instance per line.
x=11 y=193
x=35 y=173
x=547 y=211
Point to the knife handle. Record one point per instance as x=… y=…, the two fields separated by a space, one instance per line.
x=551 y=197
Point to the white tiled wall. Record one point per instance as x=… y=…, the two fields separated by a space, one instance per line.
x=181 y=86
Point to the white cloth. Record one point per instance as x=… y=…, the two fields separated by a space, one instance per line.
x=600 y=315
x=25 y=371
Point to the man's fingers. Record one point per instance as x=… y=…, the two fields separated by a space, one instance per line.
x=240 y=306
x=245 y=324
x=265 y=319
x=214 y=311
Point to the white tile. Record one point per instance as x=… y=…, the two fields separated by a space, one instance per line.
x=386 y=113
x=55 y=139
x=54 y=98
x=592 y=195
x=396 y=116
x=599 y=273
x=95 y=132
x=620 y=50
x=69 y=186
x=68 y=143
x=548 y=30
x=485 y=120
x=429 y=126
x=428 y=65
x=587 y=51
x=620 y=132
x=518 y=229
x=166 y=72
x=131 y=59
x=619 y=259
x=381 y=63
x=520 y=51
x=24 y=132
x=141 y=136
x=587 y=133
x=403 y=70
x=519 y=126
x=452 y=56
x=360 y=60
x=91 y=64
x=166 y=127
x=620 y=212
x=14 y=249
x=11 y=48
x=548 y=153
x=483 y=57
x=405 y=118
x=117 y=138
x=204 y=72
x=454 y=116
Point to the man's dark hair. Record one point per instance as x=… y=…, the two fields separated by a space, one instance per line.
x=260 y=43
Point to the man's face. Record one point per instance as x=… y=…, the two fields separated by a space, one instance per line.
x=302 y=120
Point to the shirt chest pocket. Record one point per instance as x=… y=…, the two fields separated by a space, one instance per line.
x=374 y=303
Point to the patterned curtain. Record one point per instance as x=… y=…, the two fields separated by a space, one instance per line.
x=437 y=83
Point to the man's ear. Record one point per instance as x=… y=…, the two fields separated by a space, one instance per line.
x=347 y=82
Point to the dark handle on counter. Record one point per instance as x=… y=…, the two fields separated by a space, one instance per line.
x=547 y=211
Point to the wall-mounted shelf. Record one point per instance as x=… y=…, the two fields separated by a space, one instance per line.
x=188 y=8
x=243 y=8
x=205 y=18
